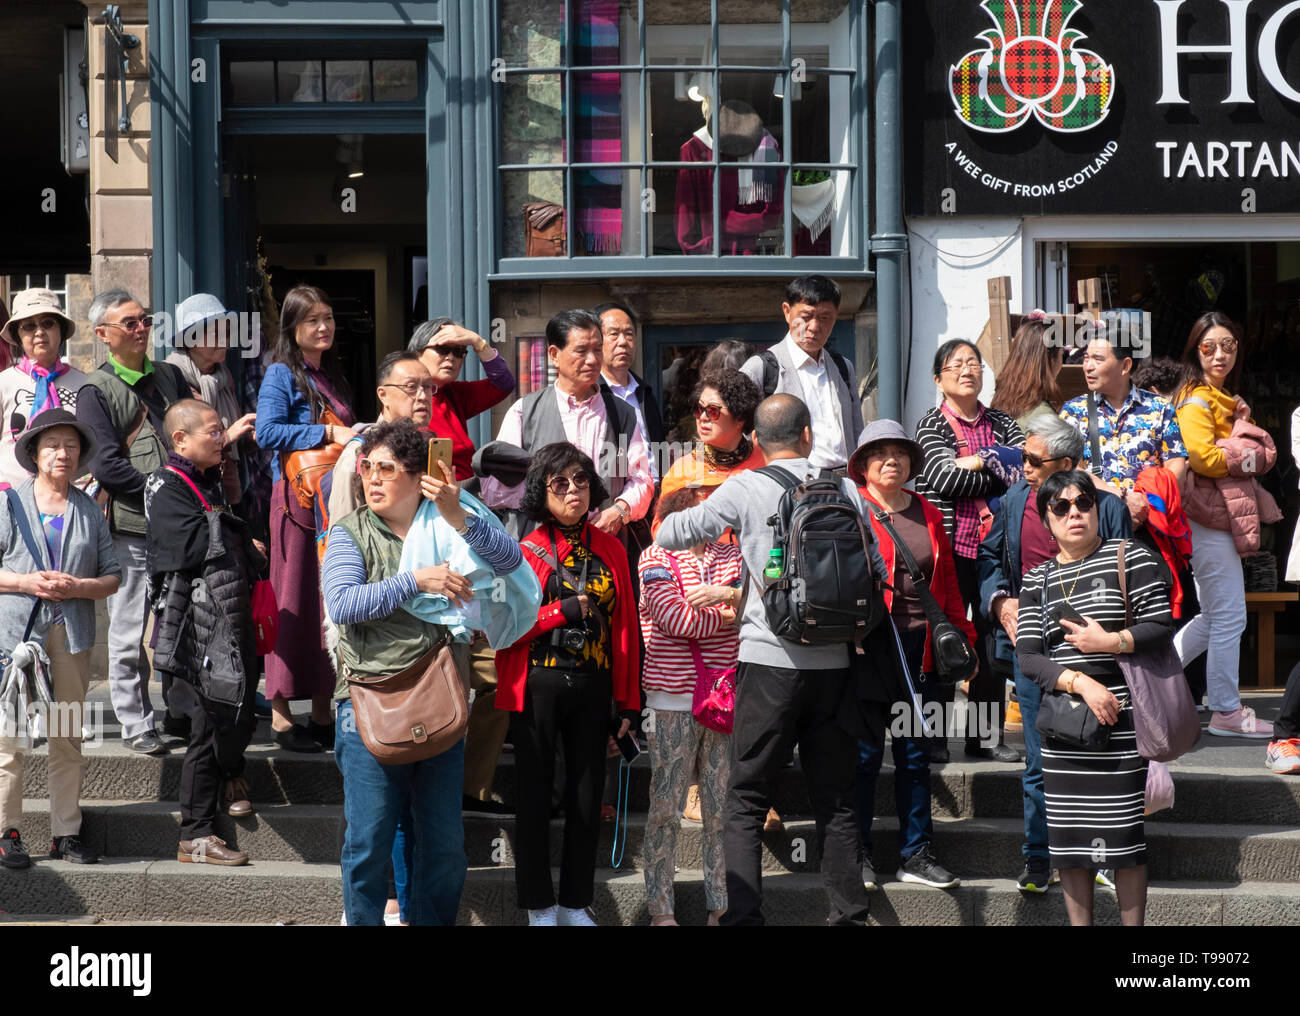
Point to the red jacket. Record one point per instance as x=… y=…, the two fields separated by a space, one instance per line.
x=943 y=583
x=625 y=636
x=450 y=407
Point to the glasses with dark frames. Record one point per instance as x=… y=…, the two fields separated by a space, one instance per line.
x=1061 y=506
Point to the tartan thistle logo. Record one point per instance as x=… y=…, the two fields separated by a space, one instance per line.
x=1031 y=67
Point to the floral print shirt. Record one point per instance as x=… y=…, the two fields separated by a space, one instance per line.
x=1143 y=432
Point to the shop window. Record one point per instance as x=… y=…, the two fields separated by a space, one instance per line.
x=687 y=134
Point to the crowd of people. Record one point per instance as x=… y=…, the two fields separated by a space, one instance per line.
x=1033 y=543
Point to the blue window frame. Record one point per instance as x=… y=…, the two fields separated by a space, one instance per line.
x=593 y=102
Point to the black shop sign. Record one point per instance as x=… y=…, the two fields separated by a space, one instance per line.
x=1101 y=107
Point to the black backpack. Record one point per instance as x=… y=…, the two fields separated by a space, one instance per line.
x=828 y=592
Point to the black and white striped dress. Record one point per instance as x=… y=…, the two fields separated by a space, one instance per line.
x=1095 y=799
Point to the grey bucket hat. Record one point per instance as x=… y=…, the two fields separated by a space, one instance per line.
x=876 y=432
x=45 y=421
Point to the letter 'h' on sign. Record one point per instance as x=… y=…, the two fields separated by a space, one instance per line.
x=1235 y=49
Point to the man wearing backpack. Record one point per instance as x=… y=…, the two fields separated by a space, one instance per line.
x=790 y=691
x=802 y=366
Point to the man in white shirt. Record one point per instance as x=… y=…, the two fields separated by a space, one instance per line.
x=579 y=410
x=618 y=329
x=802 y=366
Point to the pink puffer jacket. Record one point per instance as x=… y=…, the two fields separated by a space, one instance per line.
x=1236 y=503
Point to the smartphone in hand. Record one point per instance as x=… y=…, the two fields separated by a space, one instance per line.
x=439 y=450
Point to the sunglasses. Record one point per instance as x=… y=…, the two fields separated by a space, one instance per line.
x=1061 y=506
x=387 y=470
x=712 y=412
x=457 y=352
x=1208 y=347
x=32 y=325
x=560 y=485
x=132 y=324
x=1037 y=463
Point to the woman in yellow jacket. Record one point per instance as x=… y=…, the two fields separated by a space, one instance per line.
x=1207 y=405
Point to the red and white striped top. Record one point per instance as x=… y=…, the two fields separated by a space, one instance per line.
x=669 y=623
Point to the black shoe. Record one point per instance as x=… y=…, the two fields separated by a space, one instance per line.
x=921 y=867
x=177 y=730
x=297 y=739
x=70 y=848
x=474 y=806
x=1036 y=877
x=939 y=753
x=147 y=743
x=998 y=753
x=322 y=734
x=12 y=852
x=868 y=876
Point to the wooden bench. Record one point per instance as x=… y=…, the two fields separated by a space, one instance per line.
x=1266 y=605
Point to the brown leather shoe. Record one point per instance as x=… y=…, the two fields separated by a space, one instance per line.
x=772 y=823
x=209 y=850
x=235 y=797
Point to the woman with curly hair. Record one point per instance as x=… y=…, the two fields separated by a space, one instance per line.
x=724 y=417
x=560 y=679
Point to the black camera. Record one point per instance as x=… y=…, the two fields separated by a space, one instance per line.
x=572 y=639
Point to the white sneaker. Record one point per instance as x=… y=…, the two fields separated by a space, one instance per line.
x=544 y=918
x=579 y=918
x=392 y=920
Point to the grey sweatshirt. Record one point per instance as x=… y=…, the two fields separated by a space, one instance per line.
x=744 y=503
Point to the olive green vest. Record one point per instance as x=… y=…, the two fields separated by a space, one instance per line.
x=148 y=453
x=389 y=644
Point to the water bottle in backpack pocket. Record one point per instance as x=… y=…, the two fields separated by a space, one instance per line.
x=827 y=591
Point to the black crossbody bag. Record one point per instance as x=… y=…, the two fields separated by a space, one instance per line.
x=954 y=659
x=1065 y=718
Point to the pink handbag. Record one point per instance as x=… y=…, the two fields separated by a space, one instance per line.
x=714 y=703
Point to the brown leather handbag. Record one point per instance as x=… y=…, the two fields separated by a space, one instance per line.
x=415 y=714
x=304 y=469
x=544 y=235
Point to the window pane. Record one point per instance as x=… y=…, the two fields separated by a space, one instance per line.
x=674 y=115
x=252 y=82
x=531 y=34
x=820 y=203
x=532 y=119
x=750 y=115
x=604 y=32
x=299 y=80
x=396 y=80
x=347 y=80
x=544 y=219
x=750 y=32
x=819 y=118
x=607 y=212
x=753 y=200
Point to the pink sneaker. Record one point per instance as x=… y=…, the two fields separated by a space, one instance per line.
x=1241 y=722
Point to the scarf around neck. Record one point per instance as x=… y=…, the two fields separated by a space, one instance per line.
x=47 y=394
x=216 y=389
x=728 y=460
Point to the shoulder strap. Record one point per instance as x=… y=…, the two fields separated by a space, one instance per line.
x=963 y=449
x=842 y=365
x=190 y=483
x=20 y=519
x=1123 y=583
x=136 y=427
x=933 y=611
x=771 y=369
x=1094 y=433
x=782 y=476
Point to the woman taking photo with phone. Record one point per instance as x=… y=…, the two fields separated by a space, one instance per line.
x=1071 y=627
x=560 y=678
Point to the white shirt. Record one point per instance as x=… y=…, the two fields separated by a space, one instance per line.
x=628 y=395
x=829 y=449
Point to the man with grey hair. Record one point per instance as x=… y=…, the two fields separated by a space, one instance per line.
x=785 y=691
x=1018 y=542
x=123 y=403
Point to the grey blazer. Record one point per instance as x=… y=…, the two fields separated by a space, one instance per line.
x=87 y=552
x=787 y=381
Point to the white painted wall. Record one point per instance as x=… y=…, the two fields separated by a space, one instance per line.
x=950 y=263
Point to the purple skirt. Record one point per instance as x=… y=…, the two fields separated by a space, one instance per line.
x=299 y=668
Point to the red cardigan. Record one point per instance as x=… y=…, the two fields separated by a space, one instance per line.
x=625 y=636
x=943 y=583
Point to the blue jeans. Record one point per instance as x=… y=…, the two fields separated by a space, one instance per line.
x=1030 y=695
x=911 y=772
x=403 y=848
x=375 y=797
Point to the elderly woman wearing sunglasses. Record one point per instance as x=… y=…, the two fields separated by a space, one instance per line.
x=1072 y=625
x=724 y=404
x=443 y=345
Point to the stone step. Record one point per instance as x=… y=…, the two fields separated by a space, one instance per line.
x=959 y=789
x=128 y=889
x=978 y=848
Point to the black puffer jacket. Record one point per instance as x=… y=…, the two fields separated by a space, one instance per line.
x=202 y=565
